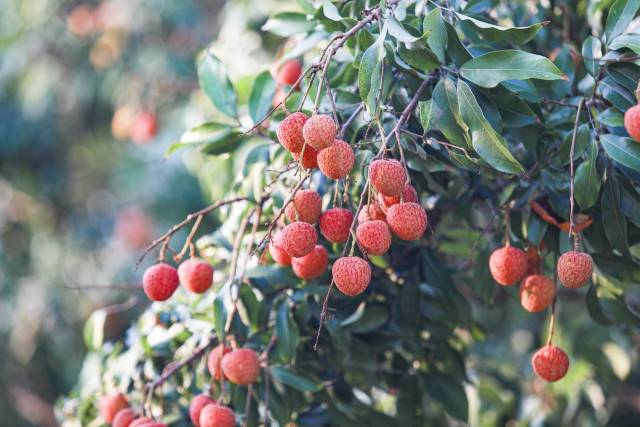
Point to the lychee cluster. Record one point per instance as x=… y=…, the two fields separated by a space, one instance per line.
x=115 y=410
x=161 y=280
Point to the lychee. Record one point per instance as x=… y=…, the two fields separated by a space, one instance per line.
x=309 y=157
x=277 y=252
x=632 y=122
x=306 y=206
x=336 y=161
x=241 y=366
x=335 y=224
x=374 y=237
x=215 y=415
x=574 y=269
x=110 y=405
x=387 y=176
x=289 y=73
x=197 y=405
x=124 y=418
x=144 y=127
x=299 y=238
x=320 y=131
x=289 y=132
x=351 y=275
x=160 y=281
x=122 y=121
x=507 y=265
x=196 y=275
x=370 y=212
x=215 y=359
x=311 y=265
x=409 y=194
x=550 y=363
x=142 y=422
x=537 y=292
x=408 y=221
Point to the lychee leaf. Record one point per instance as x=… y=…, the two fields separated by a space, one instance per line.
x=623 y=150
x=261 y=95
x=620 y=16
x=287 y=334
x=94 y=330
x=491 y=32
x=214 y=82
x=587 y=180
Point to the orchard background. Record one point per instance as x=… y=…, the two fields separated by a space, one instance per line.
x=121 y=118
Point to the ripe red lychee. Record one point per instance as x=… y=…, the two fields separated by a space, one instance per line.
x=215 y=359
x=110 y=405
x=289 y=132
x=289 y=73
x=160 y=281
x=387 y=176
x=241 y=366
x=533 y=260
x=335 y=162
x=550 y=363
x=632 y=122
x=507 y=265
x=335 y=224
x=351 y=275
x=409 y=194
x=574 y=269
x=299 y=238
x=320 y=131
x=370 y=212
x=277 y=252
x=309 y=157
x=408 y=221
x=306 y=206
x=374 y=237
x=197 y=405
x=536 y=293
x=311 y=265
x=144 y=127
x=142 y=422
x=196 y=275
x=215 y=415
x=124 y=418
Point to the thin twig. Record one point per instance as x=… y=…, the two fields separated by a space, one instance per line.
x=188 y=242
x=572 y=172
x=350 y=120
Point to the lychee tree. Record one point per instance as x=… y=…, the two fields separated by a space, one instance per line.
x=425 y=168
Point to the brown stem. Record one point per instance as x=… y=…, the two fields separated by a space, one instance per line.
x=188 y=242
x=572 y=170
x=350 y=120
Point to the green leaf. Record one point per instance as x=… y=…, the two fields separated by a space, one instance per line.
x=93 y=331
x=591 y=54
x=331 y=11
x=486 y=141
x=290 y=378
x=450 y=394
x=623 y=150
x=287 y=334
x=214 y=138
x=491 y=32
x=261 y=96
x=421 y=59
x=593 y=307
x=492 y=68
x=219 y=318
x=437 y=39
x=587 y=181
x=214 y=81
x=443 y=116
x=370 y=72
x=425 y=109
x=286 y=24
x=628 y=41
x=613 y=222
x=399 y=32
x=611 y=117
x=620 y=16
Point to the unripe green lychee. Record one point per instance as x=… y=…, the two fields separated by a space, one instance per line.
x=320 y=131
x=306 y=206
x=215 y=359
x=575 y=269
x=335 y=224
x=196 y=275
x=374 y=237
x=289 y=132
x=351 y=275
x=537 y=292
x=312 y=265
x=632 y=122
x=387 y=176
x=110 y=405
x=277 y=252
x=336 y=161
x=124 y=418
x=508 y=265
x=160 y=281
x=241 y=366
x=197 y=405
x=299 y=238
x=215 y=415
x=550 y=363
x=408 y=221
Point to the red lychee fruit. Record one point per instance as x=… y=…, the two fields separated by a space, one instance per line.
x=309 y=157
x=306 y=206
x=289 y=132
x=110 y=405
x=632 y=122
x=550 y=363
x=533 y=260
x=536 y=293
x=277 y=252
x=320 y=131
x=215 y=415
x=335 y=224
x=144 y=127
x=312 y=265
x=507 y=265
x=289 y=73
x=299 y=238
x=124 y=418
x=374 y=237
x=408 y=221
x=142 y=422
x=122 y=122
x=215 y=359
x=387 y=176
x=160 y=281
x=409 y=194
x=81 y=21
x=197 y=405
x=241 y=366
x=351 y=275
x=371 y=212
x=196 y=275
x=575 y=269
x=335 y=162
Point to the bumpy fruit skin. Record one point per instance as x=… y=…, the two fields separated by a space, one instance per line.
x=124 y=418
x=408 y=221
x=550 y=363
x=351 y=275
x=320 y=131
x=409 y=194
x=144 y=127
x=335 y=224
x=215 y=415
x=507 y=265
x=142 y=422
x=335 y=162
x=215 y=359
x=277 y=252
x=289 y=132
x=241 y=366
x=387 y=176
x=160 y=281
x=197 y=405
x=196 y=275
x=312 y=265
x=110 y=405
x=309 y=157
x=632 y=122
x=374 y=237
x=299 y=238
x=371 y=212
x=536 y=293
x=289 y=73
x=306 y=206
x=574 y=269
